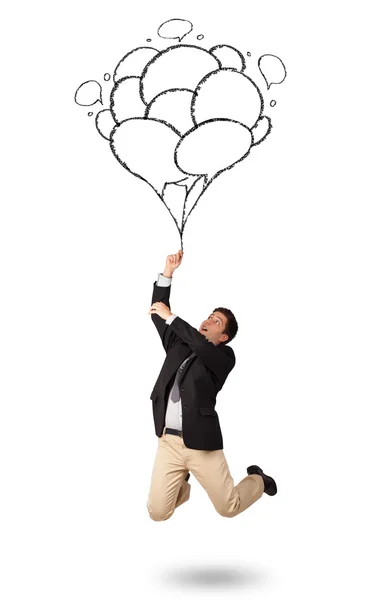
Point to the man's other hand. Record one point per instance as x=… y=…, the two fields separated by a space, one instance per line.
x=161 y=309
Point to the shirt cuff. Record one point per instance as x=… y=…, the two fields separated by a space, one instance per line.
x=170 y=319
x=163 y=281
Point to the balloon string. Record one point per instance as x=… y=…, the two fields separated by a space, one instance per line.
x=173 y=217
x=194 y=205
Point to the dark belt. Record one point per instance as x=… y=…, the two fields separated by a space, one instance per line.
x=174 y=432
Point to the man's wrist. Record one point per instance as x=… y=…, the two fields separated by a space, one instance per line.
x=168 y=274
x=170 y=319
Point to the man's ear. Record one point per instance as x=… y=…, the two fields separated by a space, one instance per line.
x=223 y=337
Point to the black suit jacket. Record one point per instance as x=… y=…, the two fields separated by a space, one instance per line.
x=202 y=378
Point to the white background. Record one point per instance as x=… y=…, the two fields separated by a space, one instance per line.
x=279 y=239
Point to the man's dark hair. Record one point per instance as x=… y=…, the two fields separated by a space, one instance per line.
x=231 y=328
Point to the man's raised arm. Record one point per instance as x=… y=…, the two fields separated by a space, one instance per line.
x=161 y=293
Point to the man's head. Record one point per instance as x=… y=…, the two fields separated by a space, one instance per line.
x=220 y=327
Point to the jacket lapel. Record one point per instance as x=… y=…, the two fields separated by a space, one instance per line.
x=191 y=356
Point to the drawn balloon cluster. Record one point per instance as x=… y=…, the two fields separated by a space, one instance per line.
x=179 y=117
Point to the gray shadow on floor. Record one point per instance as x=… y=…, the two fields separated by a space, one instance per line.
x=213 y=576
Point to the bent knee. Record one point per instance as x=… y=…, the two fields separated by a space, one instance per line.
x=158 y=514
x=226 y=511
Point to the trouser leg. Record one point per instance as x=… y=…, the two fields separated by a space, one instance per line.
x=168 y=488
x=211 y=470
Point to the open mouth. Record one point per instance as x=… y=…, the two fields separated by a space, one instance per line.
x=204 y=329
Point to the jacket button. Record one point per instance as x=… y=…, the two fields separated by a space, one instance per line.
x=182 y=389
x=184 y=406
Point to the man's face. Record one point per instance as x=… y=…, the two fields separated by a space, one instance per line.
x=213 y=327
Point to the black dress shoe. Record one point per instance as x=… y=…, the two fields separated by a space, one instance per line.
x=187 y=476
x=270 y=486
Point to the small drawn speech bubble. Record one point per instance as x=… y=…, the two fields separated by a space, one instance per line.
x=175 y=29
x=88 y=93
x=272 y=69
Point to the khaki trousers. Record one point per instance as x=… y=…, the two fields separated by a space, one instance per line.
x=169 y=489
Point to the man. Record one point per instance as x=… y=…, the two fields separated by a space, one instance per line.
x=196 y=366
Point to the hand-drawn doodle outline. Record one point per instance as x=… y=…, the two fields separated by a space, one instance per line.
x=224 y=46
x=175 y=23
x=85 y=84
x=139 y=63
x=166 y=51
x=265 y=78
x=127 y=56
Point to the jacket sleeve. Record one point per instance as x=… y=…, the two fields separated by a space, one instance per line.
x=219 y=360
x=167 y=335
